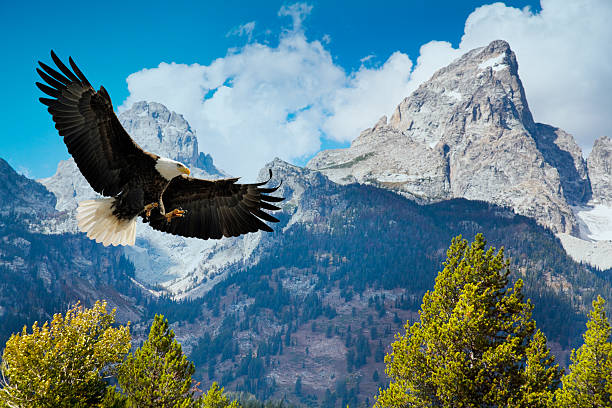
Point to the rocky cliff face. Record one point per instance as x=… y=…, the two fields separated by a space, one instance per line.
x=156 y=129
x=593 y=243
x=468 y=132
x=600 y=170
x=19 y=195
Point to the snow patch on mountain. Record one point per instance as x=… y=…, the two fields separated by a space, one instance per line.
x=453 y=94
x=594 y=243
x=596 y=253
x=595 y=222
x=496 y=63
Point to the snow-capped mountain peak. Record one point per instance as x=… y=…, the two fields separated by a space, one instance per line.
x=468 y=132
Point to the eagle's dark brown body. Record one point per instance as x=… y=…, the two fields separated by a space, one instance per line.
x=144 y=188
x=141 y=183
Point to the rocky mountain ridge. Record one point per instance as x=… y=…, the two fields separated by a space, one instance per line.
x=317 y=278
x=468 y=132
x=343 y=259
x=20 y=195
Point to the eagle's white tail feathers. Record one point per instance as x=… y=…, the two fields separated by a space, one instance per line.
x=96 y=219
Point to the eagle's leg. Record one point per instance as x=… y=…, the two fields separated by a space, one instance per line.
x=162 y=208
x=174 y=214
x=149 y=207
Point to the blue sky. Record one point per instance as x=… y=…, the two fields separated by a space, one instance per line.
x=354 y=44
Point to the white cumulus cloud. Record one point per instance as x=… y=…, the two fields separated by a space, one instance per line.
x=260 y=101
x=366 y=95
x=298 y=12
x=252 y=105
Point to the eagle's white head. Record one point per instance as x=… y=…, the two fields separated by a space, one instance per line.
x=169 y=168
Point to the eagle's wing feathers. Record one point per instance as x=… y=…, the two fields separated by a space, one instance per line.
x=214 y=209
x=102 y=149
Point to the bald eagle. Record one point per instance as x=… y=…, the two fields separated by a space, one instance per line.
x=138 y=183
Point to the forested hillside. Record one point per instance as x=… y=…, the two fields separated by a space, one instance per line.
x=326 y=298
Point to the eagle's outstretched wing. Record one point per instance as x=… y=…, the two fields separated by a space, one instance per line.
x=215 y=208
x=102 y=149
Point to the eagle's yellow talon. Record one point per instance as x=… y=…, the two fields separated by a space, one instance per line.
x=149 y=207
x=174 y=213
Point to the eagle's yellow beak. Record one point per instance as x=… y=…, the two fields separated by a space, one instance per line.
x=185 y=170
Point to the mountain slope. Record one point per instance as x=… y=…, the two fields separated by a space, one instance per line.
x=43 y=274
x=322 y=297
x=319 y=298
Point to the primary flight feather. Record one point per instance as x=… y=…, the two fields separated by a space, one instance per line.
x=138 y=183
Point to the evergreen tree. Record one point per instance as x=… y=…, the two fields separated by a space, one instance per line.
x=215 y=398
x=64 y=363
x=476 y=343
x=158 y=375
x=211 y=369
x=540 y=376
x=589 y=382
x=350 y=360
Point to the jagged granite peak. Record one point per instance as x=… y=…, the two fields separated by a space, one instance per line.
x=600 y=170
x=488 y=74
x=468 y=132
x=156 y=129
x=163 y=132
